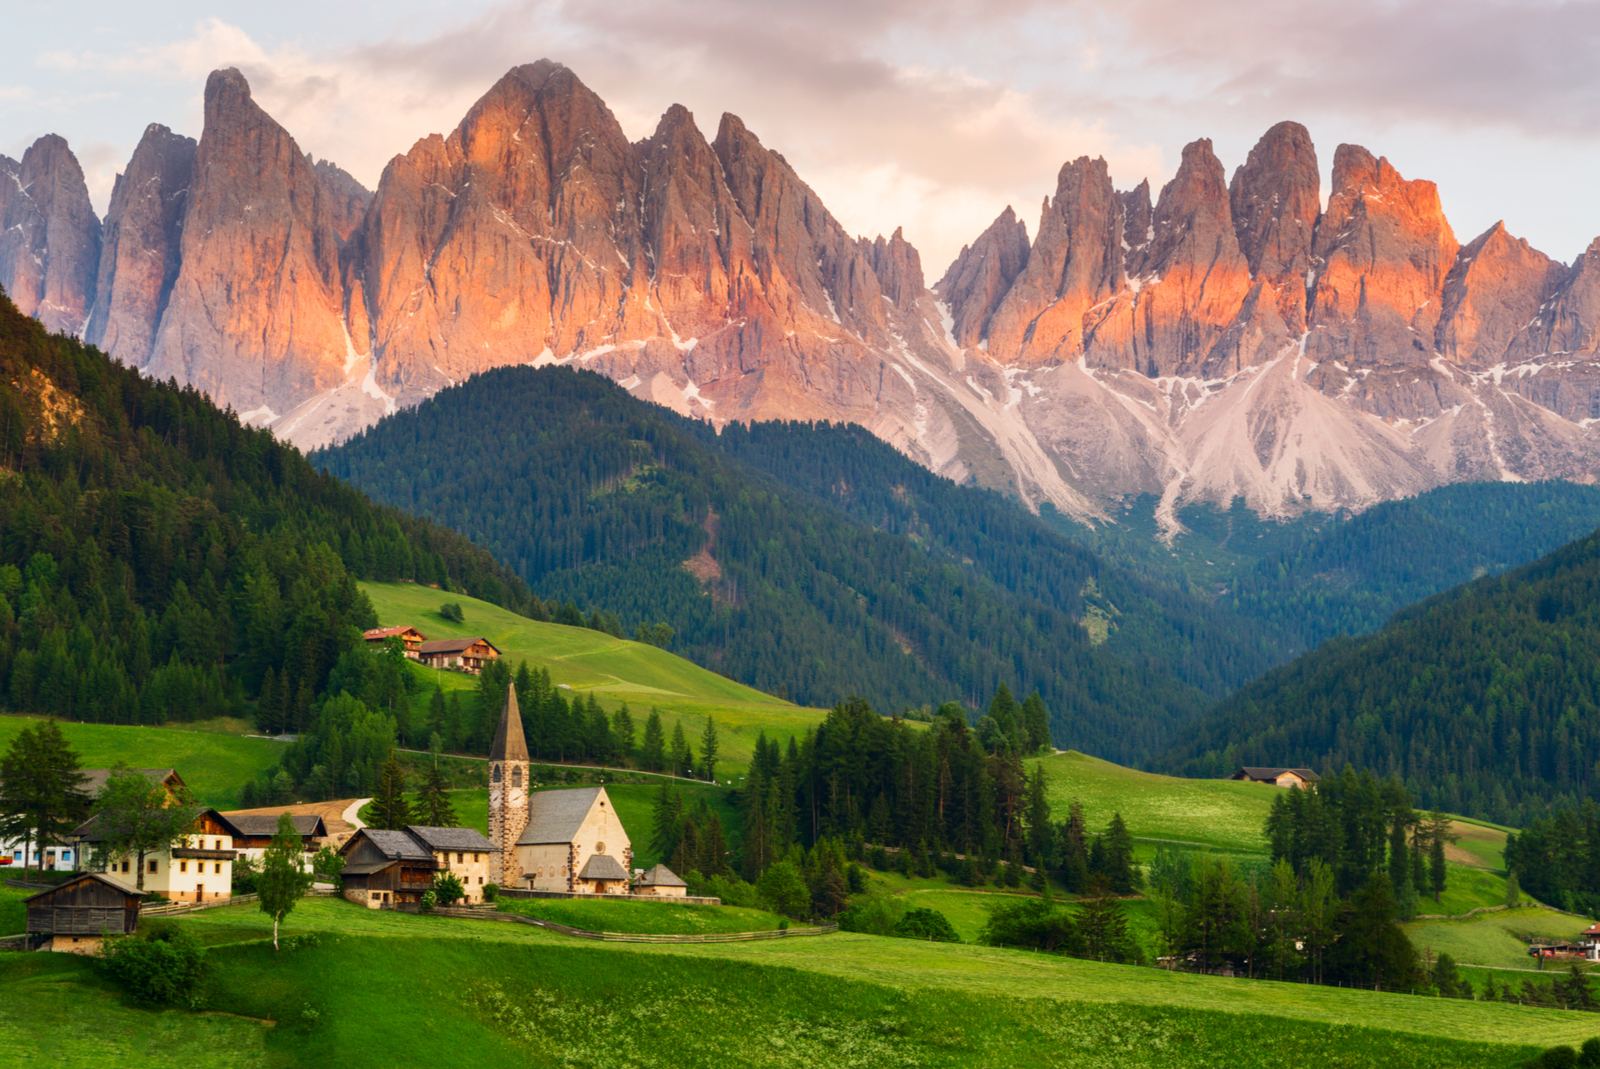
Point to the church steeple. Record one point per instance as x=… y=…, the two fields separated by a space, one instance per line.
x=508 y=792
x=509 y=743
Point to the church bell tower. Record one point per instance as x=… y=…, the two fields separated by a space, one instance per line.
x=508 y=793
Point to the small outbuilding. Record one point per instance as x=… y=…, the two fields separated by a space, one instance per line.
x=387 y=868
x=253 y=832
x=77 y=915
x=661 y=882
x=466 y=654
x=1302 y=778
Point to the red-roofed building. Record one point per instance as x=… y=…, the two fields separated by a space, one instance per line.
x=408 y=635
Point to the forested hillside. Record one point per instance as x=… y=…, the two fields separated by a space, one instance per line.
x=1483 y=700
x=158 y=561
x=1321 y=575
x=594 y=496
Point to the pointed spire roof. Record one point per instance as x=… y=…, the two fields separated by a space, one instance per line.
x=509 y=744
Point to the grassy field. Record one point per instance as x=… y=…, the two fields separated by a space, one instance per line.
x=213 y=762
x=1494 y=939
x=648 y=918
x=1094 y=999
x=13 y=918
x=615 y=670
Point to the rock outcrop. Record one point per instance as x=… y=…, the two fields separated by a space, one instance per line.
x=49 y=235
x=1276 y=198
x=981 y=276
x=140 y=255
x=255 y=314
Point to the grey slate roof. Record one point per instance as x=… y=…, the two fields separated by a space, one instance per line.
x=452 y=839
x=110 y=881
x=556 y=816
x=602 y=867
x=509 y=743
x=1273 y=773
x=397 y=844
x=365 y=868
x=265 y=825
x=661 y=876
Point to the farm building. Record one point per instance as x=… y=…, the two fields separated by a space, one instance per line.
x=386 y=868
x=1302 y=778
x=196 y=868
x=77 y=915
x=62 y=855
x=660 y=882
x=561 y=840
x=253 y=832
x=409 y=636
x=464 y=654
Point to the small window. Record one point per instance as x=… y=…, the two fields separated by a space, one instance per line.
x=219 y=868
x=480 y=881
x=599 y=848
x=152 y=864
x=496 y=775
x=516 y=776
x=183 y=866
x=459 y=858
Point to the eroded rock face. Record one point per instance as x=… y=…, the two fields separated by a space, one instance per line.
x=981 y=276
x=1276 y=197
x=141 y=252
x=1496 y=288
x=254 y=317
x=49 y=235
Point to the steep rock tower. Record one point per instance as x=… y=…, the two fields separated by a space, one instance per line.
x=508 y=792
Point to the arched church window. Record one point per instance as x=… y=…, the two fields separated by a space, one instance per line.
x=516 y=776
x=496 y=775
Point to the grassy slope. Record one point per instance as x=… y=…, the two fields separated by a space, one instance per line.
x=1496 y=939
x=650 y=918
x=1101 y=991
x=616 y=670
x=214 y=764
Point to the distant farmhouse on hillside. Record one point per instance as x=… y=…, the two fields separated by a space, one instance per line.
x=466 y=654
x=410 y=637
x=1303 y=778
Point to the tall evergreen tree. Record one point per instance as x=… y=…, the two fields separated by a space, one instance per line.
x=708 y=750
x=653 y=750
x=680 y=755
x=433 y=806
x=389 y=806
x=41 y=789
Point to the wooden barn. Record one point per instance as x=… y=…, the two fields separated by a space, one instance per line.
x=1302 y=778
x=386 y=868
x=464 y=654
x=77 y=916
x=410 y=637
x=253 y=832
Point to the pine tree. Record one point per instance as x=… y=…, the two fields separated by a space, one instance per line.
x=1119 y=866
x=622 y=732
x=679 y=753
x=667 y=823
x=389 y=806
x=1439 y=834
x=41 y=793
x=1036 y=723
x=433 y=806
x=267 y=704
x=653 y=750
x=708 y=750
x=1040 y=832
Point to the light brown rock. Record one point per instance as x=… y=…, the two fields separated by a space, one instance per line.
x=1497 y=286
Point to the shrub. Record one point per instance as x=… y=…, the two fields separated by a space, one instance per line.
x=447 y=888
x=451 y=611
x=856 y=878
x=874 y=915
x=732 y=890
x=328 y=865
x=166 y=964
x=429 y=900
x=930 y=924
x=245 y=874
x=878 y=858
x=491 y=891
x=783 y=891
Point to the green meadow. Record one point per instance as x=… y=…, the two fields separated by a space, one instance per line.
x=646 y=918
x=614 y=670
x=1499 y=940
x=454 y=992
x=214 y=763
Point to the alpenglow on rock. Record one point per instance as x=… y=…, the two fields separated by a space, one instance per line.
x=1228 y=339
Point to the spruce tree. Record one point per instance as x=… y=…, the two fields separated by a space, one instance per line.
x=1036 y=723
x=433 y=801
x=389 y=807
x=41 y=794
x=708 y=750
x=653 y=750
x=622 y=732
x=1040 y=832
x=679 y=752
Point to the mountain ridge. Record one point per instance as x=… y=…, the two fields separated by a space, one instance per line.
x=1225 y=338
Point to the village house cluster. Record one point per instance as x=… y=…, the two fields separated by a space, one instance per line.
x=467 y=655
x=563 y=842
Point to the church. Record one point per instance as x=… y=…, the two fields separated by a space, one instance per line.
x=566 y=840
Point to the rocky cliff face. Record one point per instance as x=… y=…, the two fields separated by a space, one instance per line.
x=49 y=235
x=141 y=253
x=1229 y=339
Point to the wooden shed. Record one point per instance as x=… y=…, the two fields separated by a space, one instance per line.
x=80 y=913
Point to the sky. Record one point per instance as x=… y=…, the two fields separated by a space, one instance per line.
x=931 y=115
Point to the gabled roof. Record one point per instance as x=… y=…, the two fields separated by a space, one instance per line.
x=397 y=845
x=110 y=881
x=602 y=867
x=89 y=831
x=1273 y=773
x=265 y=825
x=378 y=633
x=452 y=838
x=509 y=743
x=556 y=816
x=454 y=645
x=661 y=876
